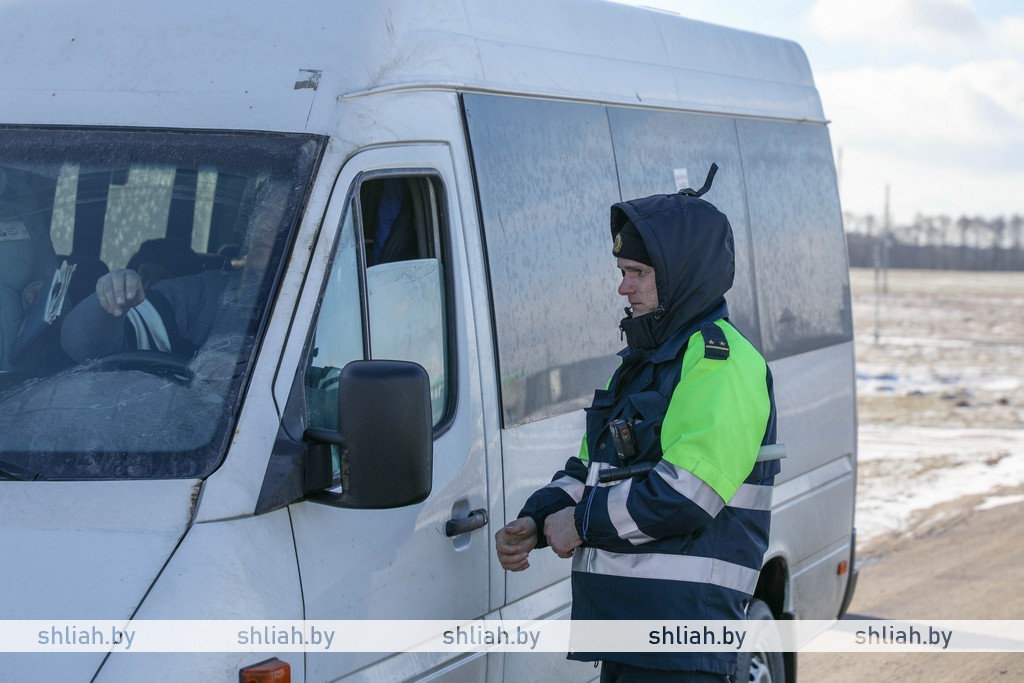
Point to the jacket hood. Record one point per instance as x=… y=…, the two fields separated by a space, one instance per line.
x=690 y=243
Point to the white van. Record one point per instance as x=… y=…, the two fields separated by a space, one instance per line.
x=412 y=180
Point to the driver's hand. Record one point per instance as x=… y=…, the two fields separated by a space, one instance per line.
x=31 y=291
x=120 y=290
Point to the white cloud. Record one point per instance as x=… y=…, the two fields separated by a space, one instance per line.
x=932 y=26
x=945 y=128
x=944 y=138
x=912 y=108
x=1008 y=35
x=926 y=95
x=943 y=187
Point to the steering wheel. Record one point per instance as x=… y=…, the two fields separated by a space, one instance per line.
x=167 y=365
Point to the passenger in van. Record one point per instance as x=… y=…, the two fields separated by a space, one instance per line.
x=173 y=315
x=38 y=349
x=26 y=258
x=390 y=224
x=665 y=512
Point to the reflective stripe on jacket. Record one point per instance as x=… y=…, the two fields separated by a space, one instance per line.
x=686 y=540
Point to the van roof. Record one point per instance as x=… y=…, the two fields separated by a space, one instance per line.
x=275 y=65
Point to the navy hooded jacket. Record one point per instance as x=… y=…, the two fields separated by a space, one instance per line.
x=685 y=539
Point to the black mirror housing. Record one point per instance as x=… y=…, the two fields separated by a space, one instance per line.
x=385 y=443
x=385 y=419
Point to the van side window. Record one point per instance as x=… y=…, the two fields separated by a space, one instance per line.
x=386 y=295
x=546 y=175
x=664 y=151
x=795 y=219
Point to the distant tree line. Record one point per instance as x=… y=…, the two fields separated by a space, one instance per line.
x=936 y=242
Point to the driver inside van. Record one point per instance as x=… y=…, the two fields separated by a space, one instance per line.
x=176 y=315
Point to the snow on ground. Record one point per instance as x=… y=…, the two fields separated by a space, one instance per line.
x=905 y=470
x=940 y=382
x=997 y=501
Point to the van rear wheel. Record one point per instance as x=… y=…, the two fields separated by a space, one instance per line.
x=764 y=664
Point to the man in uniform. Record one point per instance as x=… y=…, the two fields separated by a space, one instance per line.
x=665 y=512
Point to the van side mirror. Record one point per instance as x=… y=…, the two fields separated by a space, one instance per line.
x=385 y=431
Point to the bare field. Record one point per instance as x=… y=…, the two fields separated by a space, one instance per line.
x=940 y=395
x=940 y=379
x=939 y=348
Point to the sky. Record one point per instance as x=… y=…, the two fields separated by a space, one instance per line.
x=925 y=97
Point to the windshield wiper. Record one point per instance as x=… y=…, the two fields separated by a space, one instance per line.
x=8 y=470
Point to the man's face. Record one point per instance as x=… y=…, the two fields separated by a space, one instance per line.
x=638 y=286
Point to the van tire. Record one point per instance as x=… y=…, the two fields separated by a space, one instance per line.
x=762 y=665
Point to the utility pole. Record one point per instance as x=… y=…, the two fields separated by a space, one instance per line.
x=886 y=238
x=882 y=264
x=876 y=261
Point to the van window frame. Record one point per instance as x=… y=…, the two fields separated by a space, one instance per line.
x=439 y=215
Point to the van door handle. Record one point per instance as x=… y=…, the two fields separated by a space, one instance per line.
x=476 y=519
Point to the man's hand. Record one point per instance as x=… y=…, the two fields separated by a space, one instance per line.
x=514 y=542
x=560 y=530
x=120 y=290
x=31 y=291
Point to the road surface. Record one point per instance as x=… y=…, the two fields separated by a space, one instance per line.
x=964 y=564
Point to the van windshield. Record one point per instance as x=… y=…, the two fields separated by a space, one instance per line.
x=136 y=268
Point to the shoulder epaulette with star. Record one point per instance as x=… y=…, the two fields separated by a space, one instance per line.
x=716 y=347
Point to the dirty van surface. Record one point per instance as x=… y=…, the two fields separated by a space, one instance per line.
x=353 y=372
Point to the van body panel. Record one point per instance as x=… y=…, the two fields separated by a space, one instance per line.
x=73 y=667
x=241 y=569
x=374 y=564
x=533 y=452
x=549 y=603
x=658 y=59
x=281 y=67
x=468 y=667
x=816 y=583
x=99 y=567
x=815 y=393
x=233 y=489
x=511 y=128
x=813 y=504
